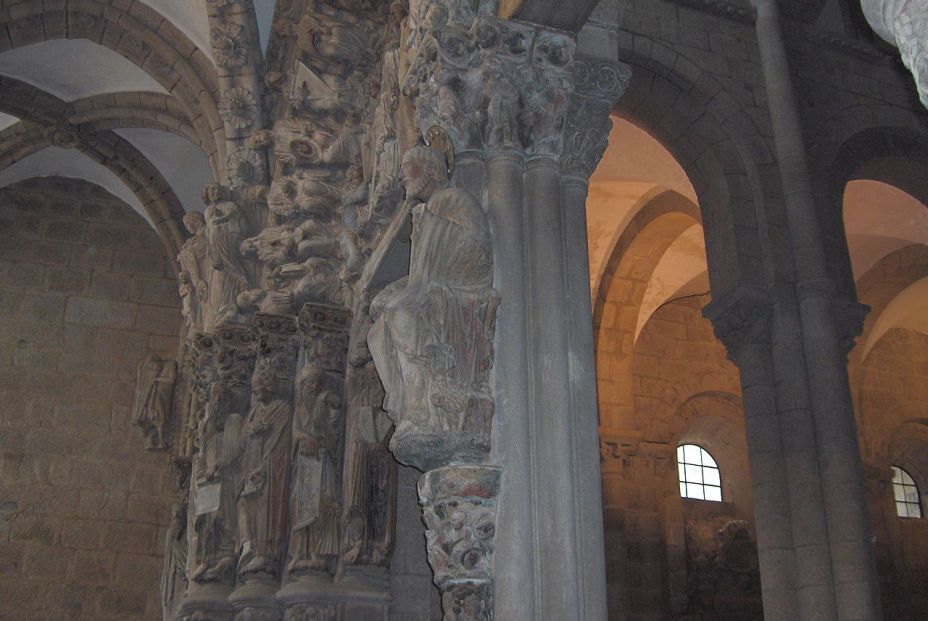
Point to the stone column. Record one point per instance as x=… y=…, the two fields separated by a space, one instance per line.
x=824 y=334
x=903 y=24
x=742 y=323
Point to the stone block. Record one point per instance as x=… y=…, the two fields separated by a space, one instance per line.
x=102 y=504
x=43 y=307
x=91 y=257
x=122 y=603
x=155 y=291
x=137 y=570
x=102 y=313
x=82 y=534
x=61 y=230
x=139 y=263
x=26 y=276
x=11 y=558
x=109 y=286
x=132 y=538
x=65 y=280
x=158 y=320
x=49 y=253
x=92 y=567
x=46 y=562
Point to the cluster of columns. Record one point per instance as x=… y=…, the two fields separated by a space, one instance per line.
x=790 y=343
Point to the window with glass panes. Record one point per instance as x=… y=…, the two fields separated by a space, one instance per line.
x=699 y=473
x=905 y=492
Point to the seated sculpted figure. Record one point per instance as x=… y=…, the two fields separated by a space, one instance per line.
x=433 y=331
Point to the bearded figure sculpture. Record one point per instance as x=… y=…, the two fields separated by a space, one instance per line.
x=432 y=338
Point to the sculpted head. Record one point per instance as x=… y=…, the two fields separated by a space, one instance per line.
x=424 y=171
x=312 y=379
x=212 y=193
x=194 y=222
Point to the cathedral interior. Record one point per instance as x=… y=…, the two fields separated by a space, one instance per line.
x=463 y=310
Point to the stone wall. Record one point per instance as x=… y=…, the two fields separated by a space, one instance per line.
x=685 y=389
x=86 y=291
x=891 y=393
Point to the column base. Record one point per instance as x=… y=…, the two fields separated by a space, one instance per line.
x=206 y=602
x=255 y=600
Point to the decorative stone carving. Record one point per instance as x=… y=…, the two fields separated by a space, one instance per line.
x=225 y=229
x=741 y=318
x=194 y=274
x=370 y=471
x=154 y=394
x=231 y=45
x=173 y=573
x=266 y=463
x=598 y=86
x=318 y=430
x=904 y=23
x=216 y=479
x=244 y=167
x=459 y=509
x=311 y=612
x=432 y=339
x=238 y=107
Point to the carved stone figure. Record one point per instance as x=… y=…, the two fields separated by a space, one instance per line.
x=433 y=331
x=194 y=271
x=214 y=490
x=314 y=507
x=263 y=499
x=225 y=228
x=370 y=470
x=173 y=573
x=315 y=280
x=154 y=395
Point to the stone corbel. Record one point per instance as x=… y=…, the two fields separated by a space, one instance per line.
x=459 y=510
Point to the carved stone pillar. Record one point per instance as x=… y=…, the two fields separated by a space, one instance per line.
x=315 y=473
x=262 y=504
x=500 y=99
x=904 y=24
x=224 y=368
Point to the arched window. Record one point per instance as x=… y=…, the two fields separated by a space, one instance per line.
x=699 y=474
x=905 y=492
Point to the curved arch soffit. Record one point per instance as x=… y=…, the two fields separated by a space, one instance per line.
x=7 y=120
x=720 y=148
x=182 y=163
x=72 y=69
x=144 y=38
x=879 y=219
x=58 y=162
x=909 y=310
x=641 y=245
x=680 y=272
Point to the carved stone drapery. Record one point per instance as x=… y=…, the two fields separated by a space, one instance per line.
x=432 y=339
x=904 y=24
x=154 y=395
